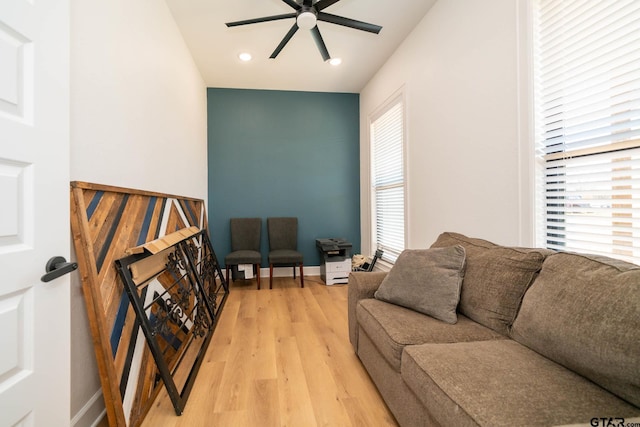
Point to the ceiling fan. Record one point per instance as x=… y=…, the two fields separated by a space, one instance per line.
x=307 y=13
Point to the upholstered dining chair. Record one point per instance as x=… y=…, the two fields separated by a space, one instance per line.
x=283 y=246
x=245 y=244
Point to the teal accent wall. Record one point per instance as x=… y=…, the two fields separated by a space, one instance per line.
x=284 y=153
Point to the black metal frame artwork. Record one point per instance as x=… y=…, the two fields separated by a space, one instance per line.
x=178 y=309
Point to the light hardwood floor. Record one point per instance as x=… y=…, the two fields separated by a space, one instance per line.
x=280 y=357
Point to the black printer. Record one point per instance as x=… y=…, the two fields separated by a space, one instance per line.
x=335 y=261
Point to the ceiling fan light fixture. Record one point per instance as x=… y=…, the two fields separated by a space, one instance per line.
x=307 y=14
x=306 y=20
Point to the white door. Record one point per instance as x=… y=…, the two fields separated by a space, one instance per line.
x=34 y=211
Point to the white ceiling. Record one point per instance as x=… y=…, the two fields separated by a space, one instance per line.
x=299 y=66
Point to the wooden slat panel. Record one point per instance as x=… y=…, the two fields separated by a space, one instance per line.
x=88 y=275
x=100 y=224
x=106 y=221
x=126 y=236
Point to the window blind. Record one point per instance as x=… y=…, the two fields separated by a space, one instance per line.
x=587 y=77
x=387 y=146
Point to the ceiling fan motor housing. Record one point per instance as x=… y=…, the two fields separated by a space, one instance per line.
x=307 y=17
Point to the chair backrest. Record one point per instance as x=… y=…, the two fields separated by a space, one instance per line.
x=245 y=234
x=283 y=233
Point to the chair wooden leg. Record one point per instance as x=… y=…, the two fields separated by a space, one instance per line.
x=257 y=266
x=301 y=276
x=227 y=274
x=294 y=272
x=270 y=276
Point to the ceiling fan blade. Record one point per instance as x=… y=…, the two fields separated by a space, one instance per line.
x=315 y=32
x=323 y=4
x=351 y=23
x=263 y=19
x=285 y=40
x=293 y=4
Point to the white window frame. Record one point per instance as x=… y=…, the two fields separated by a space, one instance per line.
x=588 y=215
x=390 y=253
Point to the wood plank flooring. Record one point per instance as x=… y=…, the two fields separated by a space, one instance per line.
x=280 y=357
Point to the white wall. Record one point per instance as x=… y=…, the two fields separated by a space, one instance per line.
x=460 y=73
x=138 y=103
x=138 y=120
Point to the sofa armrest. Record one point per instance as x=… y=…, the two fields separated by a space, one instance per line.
x=362 y=285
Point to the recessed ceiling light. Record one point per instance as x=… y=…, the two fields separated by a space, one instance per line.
x=335 y=61
x=244 y=56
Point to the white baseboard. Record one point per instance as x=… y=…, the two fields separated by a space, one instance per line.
x=91 y=413
x=312 y=270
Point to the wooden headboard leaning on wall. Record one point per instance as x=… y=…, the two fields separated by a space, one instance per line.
x=105 y=222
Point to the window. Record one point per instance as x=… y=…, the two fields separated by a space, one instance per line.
x=388 y=183
x=587 y=74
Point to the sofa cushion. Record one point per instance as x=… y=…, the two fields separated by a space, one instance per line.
x=584 y=313
x=392 y=327
x=426 y=280
x=495 y=280
x=502 y=383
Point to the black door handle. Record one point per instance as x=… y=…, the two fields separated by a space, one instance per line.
x=56 y=267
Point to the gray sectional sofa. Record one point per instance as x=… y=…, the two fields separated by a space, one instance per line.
x=540 y=339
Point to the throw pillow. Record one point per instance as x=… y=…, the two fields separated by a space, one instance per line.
x=426 y=280
x=496 y=277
